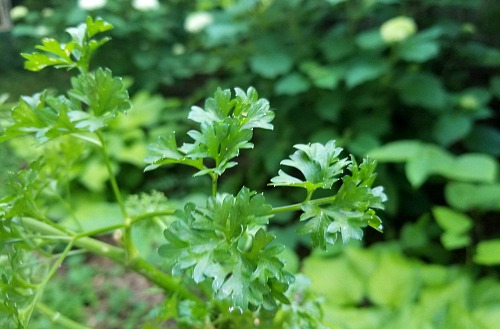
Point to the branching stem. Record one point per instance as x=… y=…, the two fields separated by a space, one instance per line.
x=58 y=318
x=130 y=249
x=139 y=265
x=298 y=206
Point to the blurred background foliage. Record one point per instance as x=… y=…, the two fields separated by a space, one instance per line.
x=414 y=84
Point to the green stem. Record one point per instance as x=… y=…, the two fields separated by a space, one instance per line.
x=214 y=184
x=58 y=318
x=40 y=288
x=298 y=206
x=116 y=254
x=112 y=178
x=130 y=249
x=100 y=231
x=152 y=214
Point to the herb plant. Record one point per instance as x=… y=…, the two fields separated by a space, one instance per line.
x=224 y=268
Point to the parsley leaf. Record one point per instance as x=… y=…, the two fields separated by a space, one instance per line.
x=225 y=242
x=104 y=95
x=320 y=164
x=350 y=211
x=226 y=127
x=73 y=54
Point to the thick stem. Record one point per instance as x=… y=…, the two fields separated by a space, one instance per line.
x=139 y=265
x=215 y=178
x=58 y=318
x=130 y=249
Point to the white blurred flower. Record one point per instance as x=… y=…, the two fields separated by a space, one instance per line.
x=41 y=31
x=398 y=29
x=145 y=5
x=469 y=102
x=91 y=4
x=47 y=12
x=18 y=12
x=196 y=22
x=178 y=49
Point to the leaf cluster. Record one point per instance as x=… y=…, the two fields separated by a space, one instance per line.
x=226 y=127
x=351 y=208
x=226 y=242
x=73 y=54
x=95 y=97
x=222 y=246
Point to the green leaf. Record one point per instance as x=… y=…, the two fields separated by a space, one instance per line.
x=468 y=196
x=166 y=152
x=473 y=167
x=292 y=84
x=271 y=64
x=455 y=224
x=104 y=94
x=218 y=141
x=484 y=139
x=451 y=220
x=394 y=281
x=225 y=242
x=430 y=160
x=252 y=111
x=43 y=115
x=350 y=210
x=323 y=76
x=75 y=53
x=398 y=151
x=348 y=289
x=97 y=26
x=488 y=252
x=452 y=240
x=370 y=40
x=365 y=69
x=60 y=56
x=320 y=164
x=450 y=128
x=423 y=90
x=418 y=49
x=423 y=160
x=226 y=127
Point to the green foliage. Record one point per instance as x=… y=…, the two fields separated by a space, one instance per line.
x=52 y=116
x=226 y=242
x=318 y=163
x=73 y=54
x=222 y=249
x=351 y=209
x=416 y=82
x=380 y=287
x=226 y=126
x=424 y=160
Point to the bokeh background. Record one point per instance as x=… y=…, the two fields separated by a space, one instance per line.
x=414 y=84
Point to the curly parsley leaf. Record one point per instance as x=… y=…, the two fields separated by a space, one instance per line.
x=48 y=117
x=225 y=242
x=165 y=151
x=73 y=54
x=102 y=94
x=352 y=209
x=43 y=115
x=319 y=164
x=226 y=127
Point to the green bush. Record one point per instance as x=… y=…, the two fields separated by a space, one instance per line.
x=230 y=270
x=411 y=84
